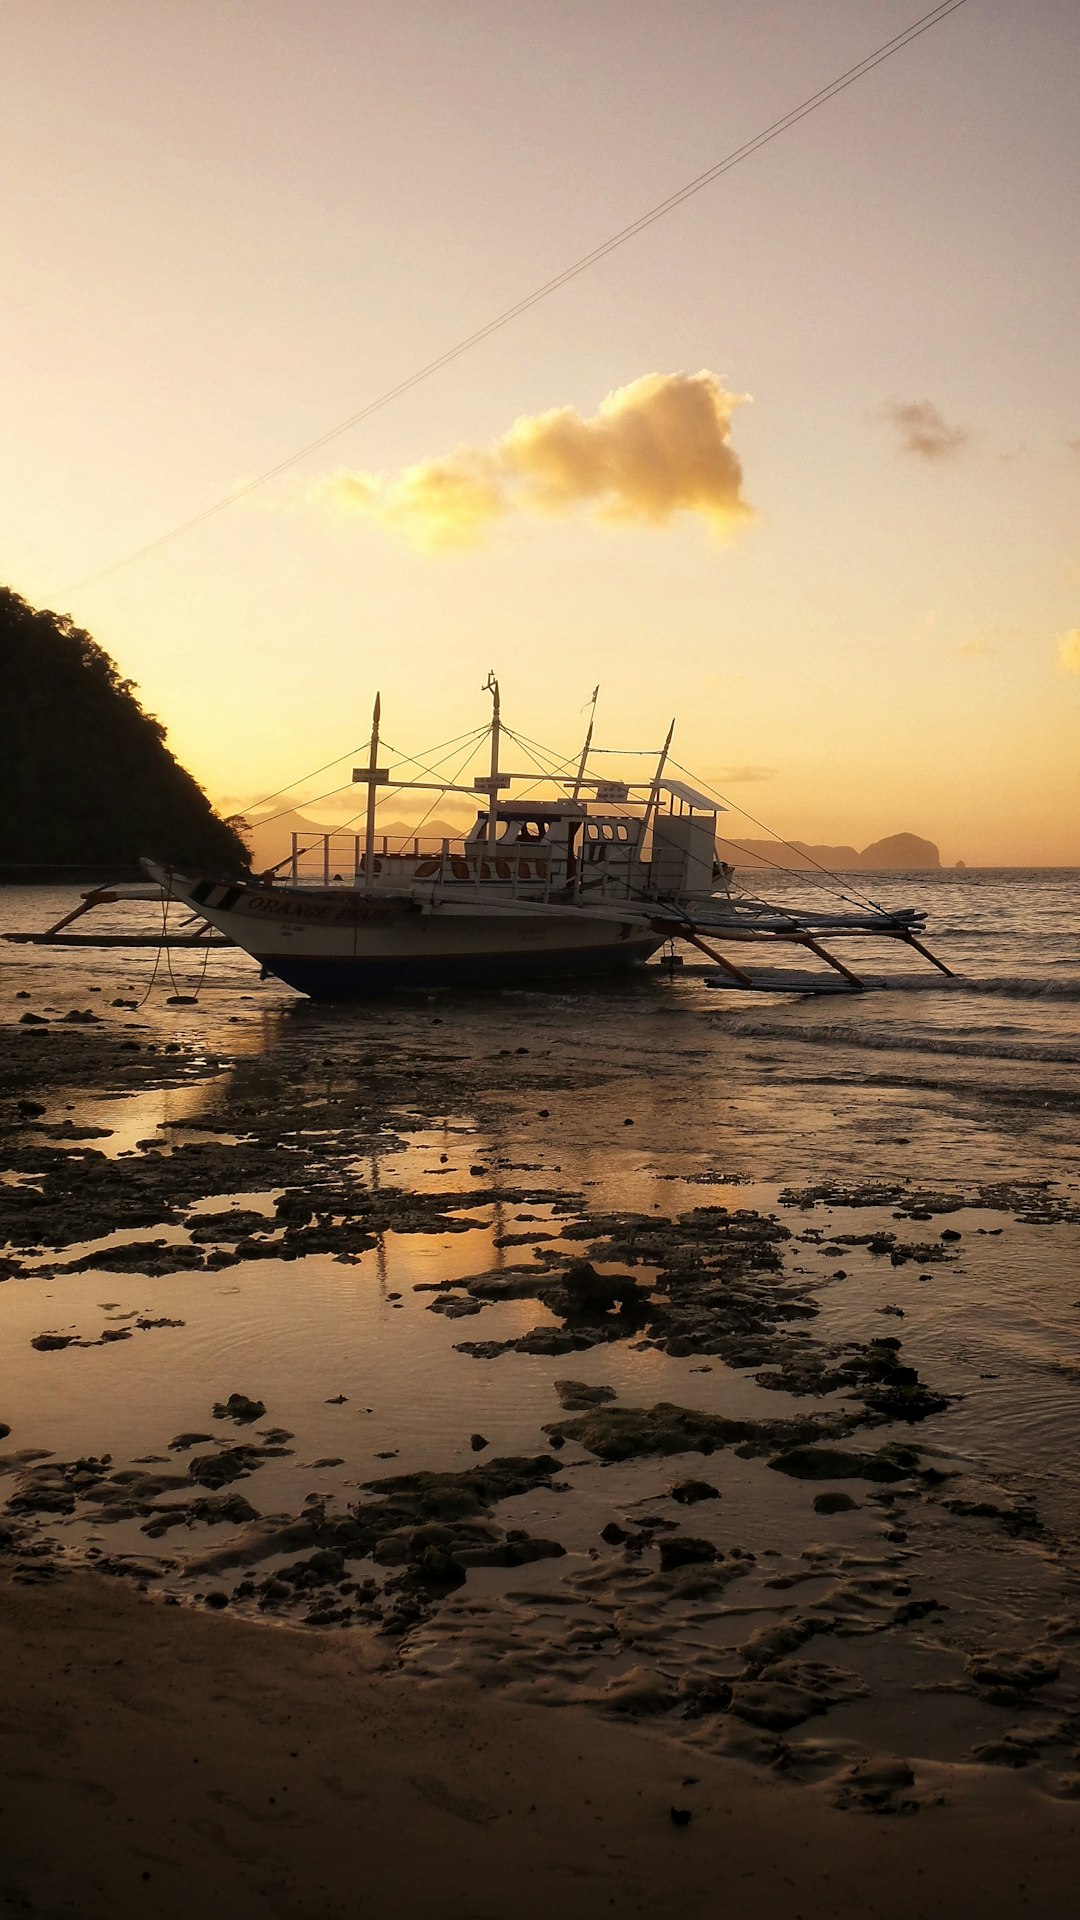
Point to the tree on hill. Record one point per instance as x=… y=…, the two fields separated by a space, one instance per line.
x=86 y=778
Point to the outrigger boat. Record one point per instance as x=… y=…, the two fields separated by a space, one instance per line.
x=592 y=880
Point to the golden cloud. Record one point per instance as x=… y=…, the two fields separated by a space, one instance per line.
x=1068 y=648
x=924 y=430
x=654 y=449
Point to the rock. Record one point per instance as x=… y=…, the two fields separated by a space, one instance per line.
x=455 y=1307
x=590 y=1293
x=689 y=1492
x=232 y=1224
x=437 y=1567
x=620 y=1433
x=477 y=1442
x=834 y=1503
x=184 y=1441
x=4 y=1430
x=220 y=1509
x=217 y=1469
x=842 y=1463
x=216 y=1600
x=680 y=1816
x=682 y=1550
x=52 y=1342
x=295 y=1208
x=239 y=1409
x=614 y=1534
x=575 y=1396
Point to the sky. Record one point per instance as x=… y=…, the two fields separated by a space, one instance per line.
x=800 y=464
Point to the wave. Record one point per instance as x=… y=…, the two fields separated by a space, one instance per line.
x=880 y=1040
x=1009 y=986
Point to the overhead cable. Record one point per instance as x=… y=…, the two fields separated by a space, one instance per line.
x=733 y=159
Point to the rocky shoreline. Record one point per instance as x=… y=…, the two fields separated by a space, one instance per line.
x=683 y=1479
x=847 y=1489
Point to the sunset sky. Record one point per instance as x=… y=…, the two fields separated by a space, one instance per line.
x=800 y=464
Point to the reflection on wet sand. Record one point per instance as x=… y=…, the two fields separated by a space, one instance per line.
x=599 y=1348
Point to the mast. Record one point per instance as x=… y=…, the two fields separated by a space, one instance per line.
x=491 y=686
x=588 y=743
x=372 y=783
x=653 y=801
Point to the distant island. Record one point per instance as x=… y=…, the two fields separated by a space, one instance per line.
x=270 y=838
x=897 y=852
x=87 y=783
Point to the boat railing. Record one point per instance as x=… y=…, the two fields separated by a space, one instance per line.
x=449 y=866
x=331 y=858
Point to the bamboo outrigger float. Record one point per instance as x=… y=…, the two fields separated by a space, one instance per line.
x=595 y=879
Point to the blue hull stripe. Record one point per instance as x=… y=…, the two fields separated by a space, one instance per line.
x=326 y=978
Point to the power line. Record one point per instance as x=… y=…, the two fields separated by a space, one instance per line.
x=543 y=292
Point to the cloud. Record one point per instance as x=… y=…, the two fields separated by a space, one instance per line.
x=1068 y=651
x=654 y=449
x=924 y=430
x=731 y=776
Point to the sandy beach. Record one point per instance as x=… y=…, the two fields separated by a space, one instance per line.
x=155 y=1761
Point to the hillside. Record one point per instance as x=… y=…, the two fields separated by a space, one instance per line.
x=86 y=779
x=898 y=852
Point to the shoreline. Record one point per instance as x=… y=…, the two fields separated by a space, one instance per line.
x=300 y=1777
x=537 y=1633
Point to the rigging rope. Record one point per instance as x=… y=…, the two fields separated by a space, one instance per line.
x=856 y=898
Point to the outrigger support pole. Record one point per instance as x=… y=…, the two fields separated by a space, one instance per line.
x=94 y=898
x=815 y=946
x=694 y=940
x=927 y=955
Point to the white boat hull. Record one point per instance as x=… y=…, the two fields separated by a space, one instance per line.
x=334 y=943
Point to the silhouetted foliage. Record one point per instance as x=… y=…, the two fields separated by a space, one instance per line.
x=85 y=775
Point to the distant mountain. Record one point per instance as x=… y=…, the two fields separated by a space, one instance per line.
x=897 y=852
x=86 y=780
x=270 y=835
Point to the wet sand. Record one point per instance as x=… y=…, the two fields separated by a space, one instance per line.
x=155 y=1761
x=748 y=1467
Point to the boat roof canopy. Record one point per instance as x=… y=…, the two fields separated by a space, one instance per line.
x=690 y=797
